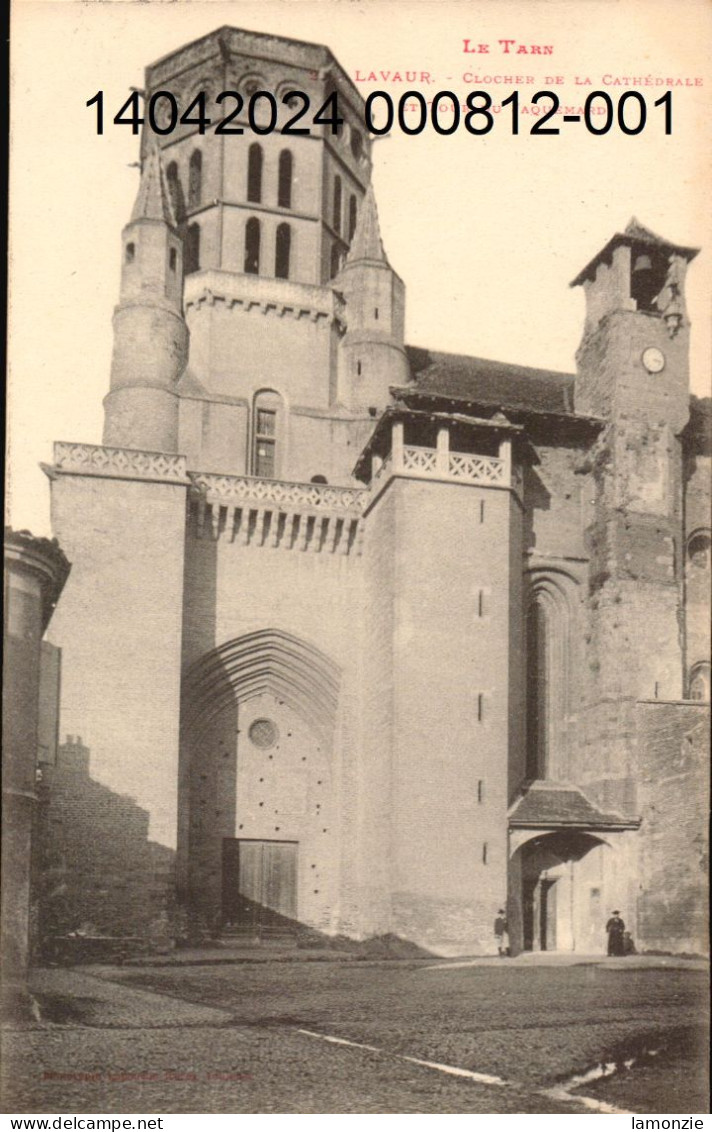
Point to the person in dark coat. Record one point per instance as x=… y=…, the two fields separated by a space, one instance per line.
x=501 y=933
x=615 y=928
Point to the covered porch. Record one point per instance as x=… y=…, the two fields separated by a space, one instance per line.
x=570 y=864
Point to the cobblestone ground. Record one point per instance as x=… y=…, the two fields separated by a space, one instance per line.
x=226 y=1038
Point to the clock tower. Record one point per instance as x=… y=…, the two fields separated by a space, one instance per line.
x=633 y=372
x=633 y=358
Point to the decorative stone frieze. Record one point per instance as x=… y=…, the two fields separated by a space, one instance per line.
x=118 y=463
x=272 y=513
x=322 y=497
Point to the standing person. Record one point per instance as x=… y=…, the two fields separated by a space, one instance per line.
x=501 y=933
x=615 y=928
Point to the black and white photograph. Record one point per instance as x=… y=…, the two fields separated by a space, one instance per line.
x=356 y=698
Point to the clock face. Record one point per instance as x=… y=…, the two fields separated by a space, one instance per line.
x=653 y=359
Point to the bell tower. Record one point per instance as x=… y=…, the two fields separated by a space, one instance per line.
x=633 y=358
x=267 y=197
x=633 y=371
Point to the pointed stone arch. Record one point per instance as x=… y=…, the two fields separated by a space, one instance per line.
x=269 y=660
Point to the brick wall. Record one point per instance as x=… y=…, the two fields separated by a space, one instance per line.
x=450 y=731
x=97 y=868
x=119 y=626
x=227 y=788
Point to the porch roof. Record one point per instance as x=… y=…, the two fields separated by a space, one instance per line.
x=555 y=805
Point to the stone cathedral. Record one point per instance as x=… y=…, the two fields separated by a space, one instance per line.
x=380 y=639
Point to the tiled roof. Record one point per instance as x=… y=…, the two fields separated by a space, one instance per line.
x=639 y=232
x=492 y=383
x=635 y=234
x=551 y=804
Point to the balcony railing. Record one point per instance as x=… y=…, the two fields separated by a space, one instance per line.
x=417 y=462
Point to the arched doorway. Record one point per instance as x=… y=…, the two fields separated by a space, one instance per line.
x=558 y=891
x=258 y=833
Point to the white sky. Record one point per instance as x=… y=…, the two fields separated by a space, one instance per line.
x=486 y=232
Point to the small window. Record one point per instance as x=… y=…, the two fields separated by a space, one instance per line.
x=195 y=179
x=356 y=143
x=282 y=250
x=353 y=216
x=252 y=246
x=336 y=214
x=254 y=173
x=130 y=253
x=266 y=428
x=191 y=254
x=335 y=261
x=172 y=259
x=175 y=191
x=284 y=190
x=319 y=479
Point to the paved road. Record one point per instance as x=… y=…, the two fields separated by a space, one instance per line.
x=251 y=1038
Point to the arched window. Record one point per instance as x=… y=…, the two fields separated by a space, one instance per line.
x=548 y=663
x=699 y=682
x=282 y=250
x=175 y=191
x=191 y=250
x=353 y=216
x=130 y=253
x=337 y=205
x=254 y=173
x=284 y=188
x=335 y=260
x=252 y=246
x=195 y=179
x=265 y=433
x=537 y=689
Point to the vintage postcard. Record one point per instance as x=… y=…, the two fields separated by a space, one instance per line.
x=358 y=561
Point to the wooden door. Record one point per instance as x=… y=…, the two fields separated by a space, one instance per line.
x=259 y=881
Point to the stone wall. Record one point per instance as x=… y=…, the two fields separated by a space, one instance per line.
x=673 y=799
